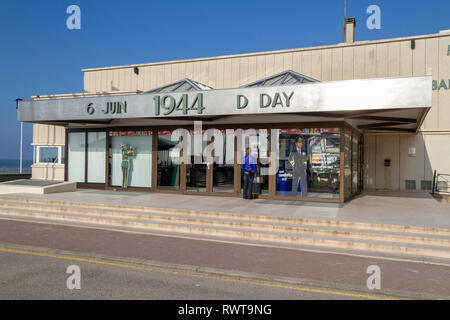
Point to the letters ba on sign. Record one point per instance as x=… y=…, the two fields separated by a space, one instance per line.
x=282 y=99
x=443 y=84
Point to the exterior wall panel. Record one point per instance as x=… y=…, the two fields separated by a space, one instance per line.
x=296 y=61
x=347 y=63
x=252 y=69
x=243 y=71
x=432 y=67
x=382 y=60
x=393 y=59
x=412 y=166
x=359 y=62
x=235 y=72
x=316 y=64
x=387 y=148
x=369 y=162
x=220 y=74
x=287 y=60
x=336 y=64
x=444 y=94
x=370 y=61
x=270 y=65
x=326 y=65
x=406 y=59
x=260 y=67
x=278 y=63
x=306 y=63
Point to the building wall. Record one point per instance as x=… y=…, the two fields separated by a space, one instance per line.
x=374 y=59
x=48 y=136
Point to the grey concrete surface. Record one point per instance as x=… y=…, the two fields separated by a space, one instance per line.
x=382 y=207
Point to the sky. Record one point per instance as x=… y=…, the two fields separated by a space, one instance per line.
x=40 y=55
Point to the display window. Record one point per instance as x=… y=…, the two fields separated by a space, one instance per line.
x=309 y=163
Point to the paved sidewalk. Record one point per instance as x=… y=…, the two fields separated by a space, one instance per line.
x=398 y=208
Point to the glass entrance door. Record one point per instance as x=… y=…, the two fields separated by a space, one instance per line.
x=224 y=162
x=258 y=142
x=198 y=173
x=211 y=168
x=168 y=169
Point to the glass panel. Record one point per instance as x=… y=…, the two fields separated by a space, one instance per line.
x=63 y=154
x=169 y=88
x=324 y=149
x=309 y=163
x=96 y=157
x=184 y=87
x=292 y=80
x=168 y=162
x=274 y=81
x=48 y=154
x=223 y=168
x=130 y=159
x=347 y=170
x=258 y=142
x=355 y=162
x=76 y=154
x=196 y=170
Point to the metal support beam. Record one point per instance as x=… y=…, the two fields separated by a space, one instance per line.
x=379 y=124
x=380 y=118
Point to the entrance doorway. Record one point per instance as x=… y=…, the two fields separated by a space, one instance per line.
x=168 y=164
x=212 y=170
x=209 y=168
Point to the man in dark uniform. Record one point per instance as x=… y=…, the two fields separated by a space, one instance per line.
x=298 y=160
x=249 y=170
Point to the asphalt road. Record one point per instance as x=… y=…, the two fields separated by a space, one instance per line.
x=28 y=275
x=32 y=276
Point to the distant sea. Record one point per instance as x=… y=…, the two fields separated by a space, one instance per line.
x=13 y=166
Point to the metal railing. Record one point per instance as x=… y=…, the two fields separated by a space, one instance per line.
x=441 y=183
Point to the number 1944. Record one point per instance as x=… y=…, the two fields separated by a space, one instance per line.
x=169 y=104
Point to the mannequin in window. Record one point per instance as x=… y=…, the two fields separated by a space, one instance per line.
x=298 y=160
x=127 y=152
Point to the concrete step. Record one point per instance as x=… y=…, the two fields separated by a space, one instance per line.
x=294 y=229
x=126 y=210
x=233 y=233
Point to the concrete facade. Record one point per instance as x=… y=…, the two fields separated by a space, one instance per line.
x=411 y=56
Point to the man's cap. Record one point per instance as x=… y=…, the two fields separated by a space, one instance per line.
x=299 y=139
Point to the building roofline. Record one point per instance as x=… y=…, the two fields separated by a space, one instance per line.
x=118 y=93
x=442 y=33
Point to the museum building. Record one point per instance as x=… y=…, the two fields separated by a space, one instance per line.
x=371 y=115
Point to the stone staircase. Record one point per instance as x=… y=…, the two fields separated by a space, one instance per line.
x=355 y=237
